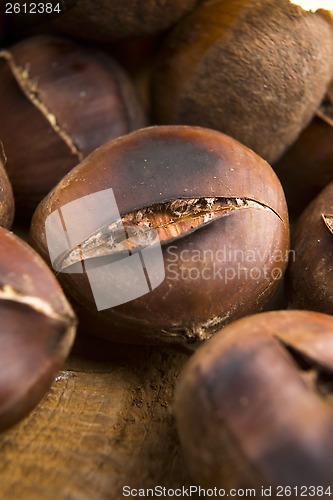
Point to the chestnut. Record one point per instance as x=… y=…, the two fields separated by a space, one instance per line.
x=253 y=405
x=256 y=71
x=37 y=328
x=6 y=196
x=310 y=274
x=112 y=19
x=60 y=101
x=307 y=166
x=166 y=234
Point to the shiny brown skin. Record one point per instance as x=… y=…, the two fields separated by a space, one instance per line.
x=239 y=66
x=253 y=405
x=307 y=167
x=6 y=198
x=83 y=100
x=113 y=19
x=36 y=331
x=310 y=274
x=159 y=164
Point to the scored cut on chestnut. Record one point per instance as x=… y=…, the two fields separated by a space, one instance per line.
x=254 y=70
x=309 y=282
x=254 y=404
x=7 y=206
x=217 y=210
x=61 y=101
x=37 y=328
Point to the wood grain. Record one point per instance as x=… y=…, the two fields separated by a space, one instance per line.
x=106 y=422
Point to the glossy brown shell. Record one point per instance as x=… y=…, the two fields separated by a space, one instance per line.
x=254 y=404
x=37 y=328
x=6 y=198
x=158 y=164
x=307 y=166
x=61 y=101
x=310 y=275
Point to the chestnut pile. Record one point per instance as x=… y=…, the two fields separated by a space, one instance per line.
x=155 y=153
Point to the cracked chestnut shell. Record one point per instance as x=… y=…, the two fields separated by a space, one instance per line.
x=221 y=217
x=6 y=197
x=254 y=404
x=61 y=101
x=256 y=71
x=310 y=275
x=37 y=328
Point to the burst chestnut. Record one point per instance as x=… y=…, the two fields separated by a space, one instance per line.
x=254 y=404
x=213 y=209
x=61 y=101
x=37 y=328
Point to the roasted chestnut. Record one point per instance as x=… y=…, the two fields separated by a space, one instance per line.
x=254 y=70
x=37 y=328
x=254 y=406
x=6 y=196
x=166 y=234
x=307 y=167
x=310 y=274
x=60 y=101
x=113 y=19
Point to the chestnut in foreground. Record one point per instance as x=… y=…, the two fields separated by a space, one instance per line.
x=254 y=404
x=310 y=275
x=60 y=101
x=6 y=198
x=112 y=19
x=254 y=70
x=307 y=166
x=217 y=209
x=37 y=328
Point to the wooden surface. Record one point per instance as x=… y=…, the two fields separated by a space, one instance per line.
x=106 y=422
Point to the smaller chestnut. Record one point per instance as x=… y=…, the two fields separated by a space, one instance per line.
x=6 y=196
x=37 y=328
x=61 y=101
x=254 y=404
x=307 y=166
x=309 y=280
